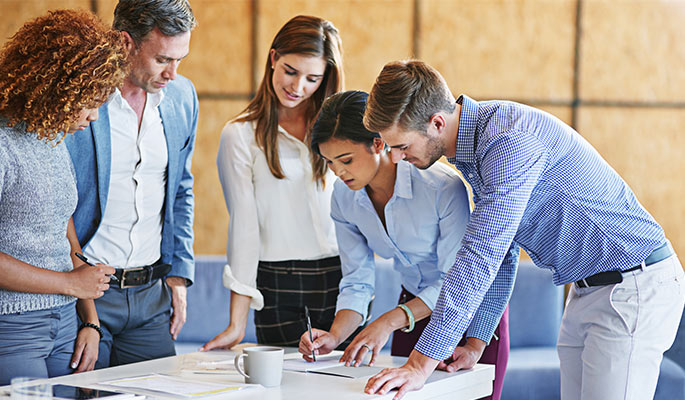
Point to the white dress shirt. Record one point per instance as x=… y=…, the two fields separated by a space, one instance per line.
x=130 y=232
x=270 y=219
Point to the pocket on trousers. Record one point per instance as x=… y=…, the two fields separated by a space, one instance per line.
x=625 y=303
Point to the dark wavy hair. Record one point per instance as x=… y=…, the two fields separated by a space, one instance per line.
x=307 y=35
x=341 y=117
x=57 y=65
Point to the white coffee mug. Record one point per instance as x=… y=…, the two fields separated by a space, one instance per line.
x=263 y=365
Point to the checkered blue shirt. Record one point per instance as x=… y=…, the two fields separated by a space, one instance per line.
x=537 y=185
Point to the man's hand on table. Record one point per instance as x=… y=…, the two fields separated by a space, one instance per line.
x=464 y=357
x=410 y=376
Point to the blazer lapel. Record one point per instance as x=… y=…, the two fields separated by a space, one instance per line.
x=173 y=138
x=102 y=140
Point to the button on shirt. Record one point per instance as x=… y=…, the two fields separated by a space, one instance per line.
x=425 y=218
x=270 y=219
x=538 y=185
x=130 y=232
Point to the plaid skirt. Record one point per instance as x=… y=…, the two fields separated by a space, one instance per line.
x=288 y=286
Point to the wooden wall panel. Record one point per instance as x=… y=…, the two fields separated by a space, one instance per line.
x=211 y=216
x=16 y=12
x=501 y=48
x=633 y=51
x=630 y=51
x=105 y=9
x=219 y=59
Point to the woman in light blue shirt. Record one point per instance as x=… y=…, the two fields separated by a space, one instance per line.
x=416 y=217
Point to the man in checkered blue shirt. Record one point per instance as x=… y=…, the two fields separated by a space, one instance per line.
x=537 y=185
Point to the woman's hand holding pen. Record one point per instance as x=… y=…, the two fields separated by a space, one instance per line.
x=324 y=343
x=88 y=282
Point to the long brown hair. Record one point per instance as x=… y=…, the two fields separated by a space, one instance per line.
x=307 y=35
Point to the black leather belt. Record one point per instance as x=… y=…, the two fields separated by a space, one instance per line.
x=611 y=277
x=129 y=277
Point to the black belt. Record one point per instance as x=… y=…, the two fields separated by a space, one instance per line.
x=128 y=277
x=611 y=277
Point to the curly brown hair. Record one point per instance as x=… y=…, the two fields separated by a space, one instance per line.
x=57 y=65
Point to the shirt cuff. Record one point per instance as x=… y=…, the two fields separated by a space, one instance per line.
x=436 y=342
x=357 y=302
x=429 y=296
x=483 y=326
x=230 y=282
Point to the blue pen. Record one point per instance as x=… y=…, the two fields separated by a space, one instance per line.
x=85 y=260
x=309 y=328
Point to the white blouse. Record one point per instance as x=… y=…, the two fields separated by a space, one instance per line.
x=270 y=219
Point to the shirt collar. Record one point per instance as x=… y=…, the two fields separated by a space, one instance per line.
x=153 y=99
x=293 y=139
x=403 y=185
x=467 y=131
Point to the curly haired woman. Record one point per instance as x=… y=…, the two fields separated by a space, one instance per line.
x=54 y=74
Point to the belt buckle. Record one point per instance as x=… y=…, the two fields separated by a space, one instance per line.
x=123 y=284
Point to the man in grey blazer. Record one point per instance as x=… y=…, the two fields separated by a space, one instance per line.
x=135 y=207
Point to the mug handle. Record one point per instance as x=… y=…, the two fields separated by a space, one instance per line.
x=236 y=361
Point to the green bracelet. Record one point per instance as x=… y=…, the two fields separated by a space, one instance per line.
x=410 y=316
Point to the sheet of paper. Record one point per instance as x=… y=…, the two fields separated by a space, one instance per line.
x=174 y=386
x=300 y=365
x=207 y=365
x=362 y=371
x=330 y=366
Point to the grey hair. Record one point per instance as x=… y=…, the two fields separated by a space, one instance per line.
x=140 y=17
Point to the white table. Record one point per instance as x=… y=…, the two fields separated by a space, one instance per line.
x=464 y=385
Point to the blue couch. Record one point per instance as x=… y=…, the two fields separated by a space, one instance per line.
x=535 y=313
x=208 y=302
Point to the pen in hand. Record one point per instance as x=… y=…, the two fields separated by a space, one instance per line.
x=85 y=260
x=309 y=328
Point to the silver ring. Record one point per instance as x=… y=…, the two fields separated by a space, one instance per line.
x=367 y=346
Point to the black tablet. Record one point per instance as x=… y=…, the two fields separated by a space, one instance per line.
x=82 y=393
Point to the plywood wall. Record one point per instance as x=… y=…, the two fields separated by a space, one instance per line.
x=611 y=68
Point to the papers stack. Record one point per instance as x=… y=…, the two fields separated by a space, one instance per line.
x=330 y=366
x=173 y=386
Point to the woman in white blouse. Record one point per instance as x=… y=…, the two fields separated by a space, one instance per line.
x=282 y=252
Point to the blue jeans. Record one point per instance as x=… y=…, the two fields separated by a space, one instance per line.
x=37 y=343
x=135 y=323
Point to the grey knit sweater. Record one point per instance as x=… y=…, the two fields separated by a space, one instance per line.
x=37 y=197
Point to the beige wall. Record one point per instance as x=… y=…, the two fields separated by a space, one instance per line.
x=620 y=79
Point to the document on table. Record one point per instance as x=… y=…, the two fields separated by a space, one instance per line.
x=174 y=386
x=216 y=367
x=330 y=366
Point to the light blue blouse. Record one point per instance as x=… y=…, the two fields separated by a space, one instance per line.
x=425 y=218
